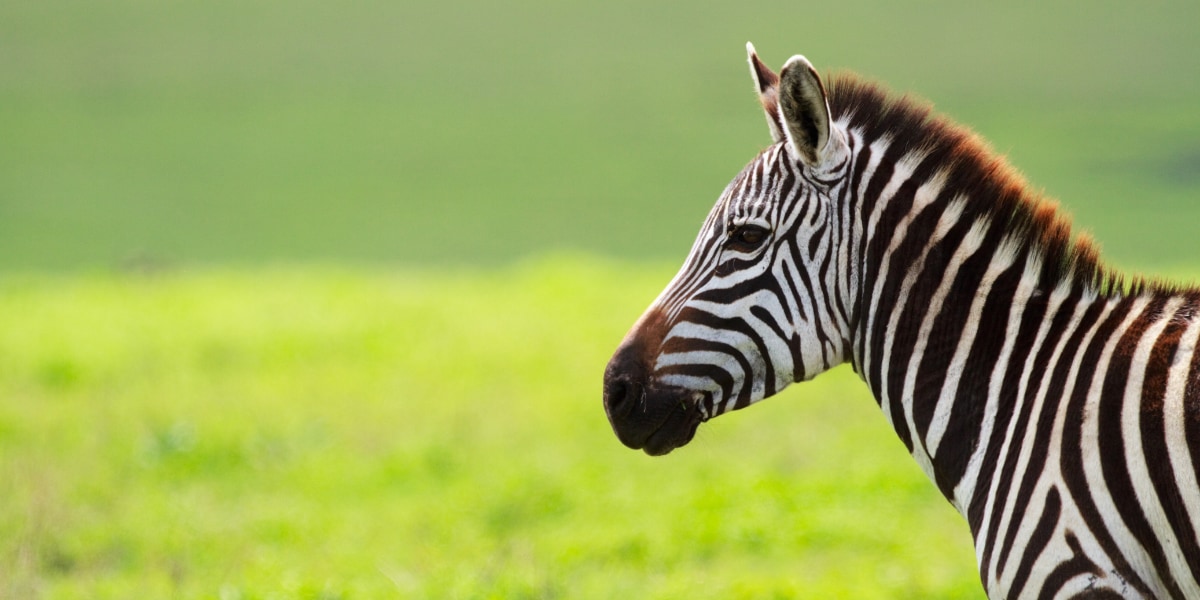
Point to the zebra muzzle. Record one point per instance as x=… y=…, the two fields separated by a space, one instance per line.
x=644 y=415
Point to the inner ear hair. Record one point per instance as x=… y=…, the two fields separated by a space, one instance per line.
x=805 y=109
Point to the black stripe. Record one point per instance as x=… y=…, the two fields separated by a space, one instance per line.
x=1037 y=541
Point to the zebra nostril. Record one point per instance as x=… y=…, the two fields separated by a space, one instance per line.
x=620 y=396
x=628 y=379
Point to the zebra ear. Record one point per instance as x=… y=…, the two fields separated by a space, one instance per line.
x=766 y=83
x=805 y=111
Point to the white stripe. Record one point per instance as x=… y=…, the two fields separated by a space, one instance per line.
x=692 y=382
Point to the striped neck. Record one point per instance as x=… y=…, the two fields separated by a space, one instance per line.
x=941 y=232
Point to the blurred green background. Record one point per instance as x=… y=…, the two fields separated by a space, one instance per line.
x=312 y=300
x=421 y=131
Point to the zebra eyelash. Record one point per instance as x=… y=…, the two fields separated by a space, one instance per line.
x=748 y=237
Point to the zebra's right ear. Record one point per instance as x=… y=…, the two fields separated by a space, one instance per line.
x=806 y=116
x=766 y=83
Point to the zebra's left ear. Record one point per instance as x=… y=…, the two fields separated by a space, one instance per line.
x=766 y=83
x=806 y=116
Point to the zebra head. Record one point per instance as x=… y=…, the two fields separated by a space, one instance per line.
x=751 y=310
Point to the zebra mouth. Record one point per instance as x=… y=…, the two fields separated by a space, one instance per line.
x=655 y=420
x=644 y=413
x=675 y=431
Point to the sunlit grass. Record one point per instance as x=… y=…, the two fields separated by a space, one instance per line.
x=333 y=433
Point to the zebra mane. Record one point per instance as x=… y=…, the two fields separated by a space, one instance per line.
x=997 y=191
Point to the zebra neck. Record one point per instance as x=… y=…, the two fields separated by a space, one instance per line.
x=964 y=336
x=962 y=287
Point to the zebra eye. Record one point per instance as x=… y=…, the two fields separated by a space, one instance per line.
x=747 y=237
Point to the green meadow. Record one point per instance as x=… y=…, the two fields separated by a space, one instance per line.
x=311 y=300
x=340 y=433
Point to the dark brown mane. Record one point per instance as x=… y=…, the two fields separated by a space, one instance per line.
x=998 y=192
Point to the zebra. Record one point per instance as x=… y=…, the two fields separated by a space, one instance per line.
x=1054 y=402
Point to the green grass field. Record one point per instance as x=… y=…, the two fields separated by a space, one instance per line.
x=339 y=433
x=311 y=300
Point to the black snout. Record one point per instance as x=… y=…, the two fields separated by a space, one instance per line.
x=646 y=415
x=625 y=394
